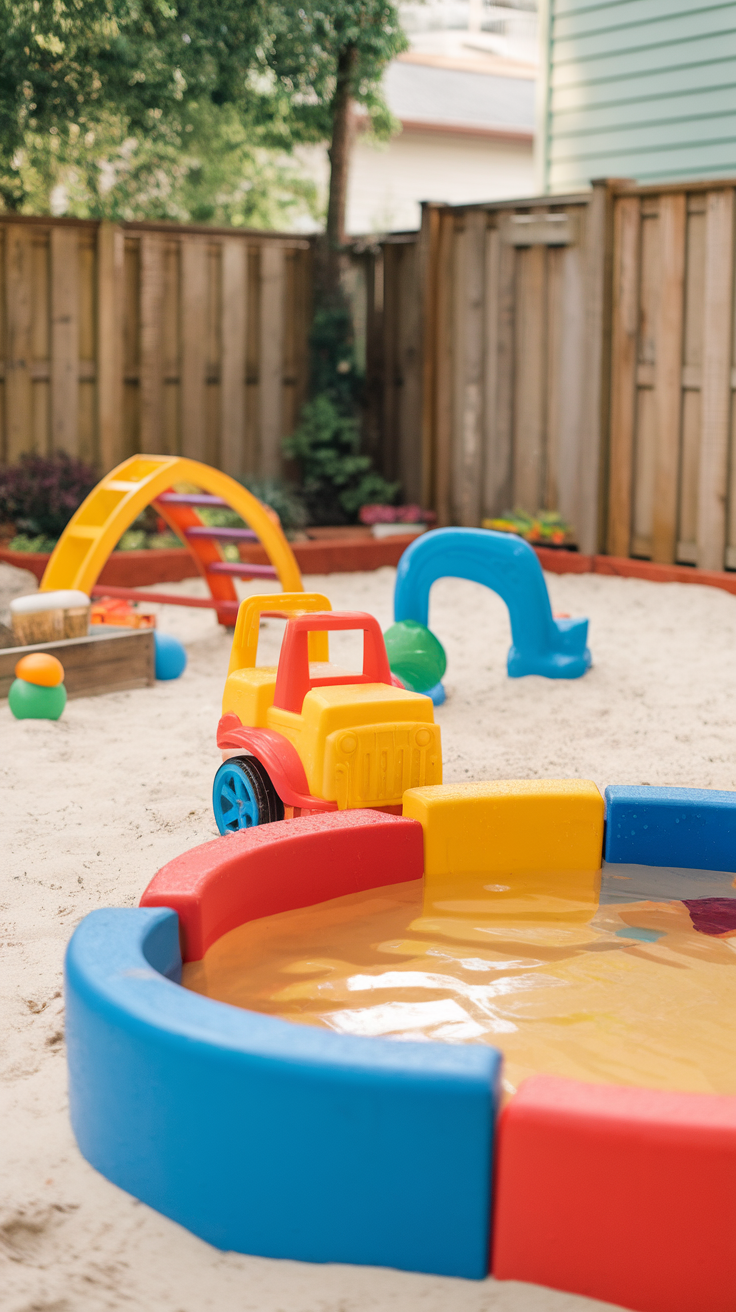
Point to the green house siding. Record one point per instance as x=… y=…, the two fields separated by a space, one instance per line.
x=642 y=89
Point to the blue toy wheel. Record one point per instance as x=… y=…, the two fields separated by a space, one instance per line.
x=243 y=795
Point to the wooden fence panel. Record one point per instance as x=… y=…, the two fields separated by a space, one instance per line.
x=64 y=339
x=234 y=343
x=530 y=390
x=624 y=337
x=18 y=319
x=500 y=374
x=440 y=351
x=297 y=325
x=566 y=367
x=40 y=341
x=671 y=496
x=598 y=331
x=151 y=358
x=109 y=316
x=469 y=365
x=506 y=359
x=401 y=445
x=668 y=364
x=194 y=288
x=716 y=382
x=117 y=338
x=645 y=444
x=409 y=377
x=272 y=351
x=692 y=365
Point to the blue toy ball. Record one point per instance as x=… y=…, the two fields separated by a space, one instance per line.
x=171 y=658
x=437 y=694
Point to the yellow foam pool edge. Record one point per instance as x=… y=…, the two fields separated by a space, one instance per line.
x=513 y=837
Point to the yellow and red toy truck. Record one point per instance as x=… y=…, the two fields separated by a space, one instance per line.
x=309 y=736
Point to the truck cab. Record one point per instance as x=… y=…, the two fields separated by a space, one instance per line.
x=308 y=735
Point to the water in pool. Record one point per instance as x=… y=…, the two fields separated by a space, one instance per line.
x=643 y=991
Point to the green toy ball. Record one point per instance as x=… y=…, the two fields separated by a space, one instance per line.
x=415 y=655
x=32 y=701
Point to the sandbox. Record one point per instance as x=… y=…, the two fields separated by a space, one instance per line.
x=314 y=1141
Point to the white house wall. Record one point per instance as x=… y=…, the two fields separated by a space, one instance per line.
x=387 y=183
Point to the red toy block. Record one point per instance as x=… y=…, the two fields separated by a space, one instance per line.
x=626 y=1195
x=279 y=867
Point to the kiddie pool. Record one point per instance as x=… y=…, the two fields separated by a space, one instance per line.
x=285 y=1140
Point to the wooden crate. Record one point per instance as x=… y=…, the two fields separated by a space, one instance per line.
x=108 y=660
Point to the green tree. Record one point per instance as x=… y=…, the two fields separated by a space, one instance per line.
x=213 y=171
x=155 y=108
x=326 y=58
x=125 y=69
x=131 y=88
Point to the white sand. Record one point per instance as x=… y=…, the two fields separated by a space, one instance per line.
x=95 y=804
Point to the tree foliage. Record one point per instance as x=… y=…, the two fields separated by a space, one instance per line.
x=178 y=110
x=303 y=53
x=182 y=109
x=212 y=172
x=84 y=80
x=336 y=478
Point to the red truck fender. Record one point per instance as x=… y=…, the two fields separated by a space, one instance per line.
x=279 y=757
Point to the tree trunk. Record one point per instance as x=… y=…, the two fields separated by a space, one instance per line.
x=339 y=153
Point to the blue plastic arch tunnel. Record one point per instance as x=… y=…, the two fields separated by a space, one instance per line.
x=541 y=644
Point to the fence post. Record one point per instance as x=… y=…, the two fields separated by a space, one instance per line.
x=18 y=319
x=596 y=374
x=151 y=366
x=234 y=342
x=193 y=346
x=110 y=249
x=716 y=386
x=427 y=258
x=445 y=347
x=270 y=364
x=64 y=250
x=469 y=370
x=668 y=367
x=624 y=347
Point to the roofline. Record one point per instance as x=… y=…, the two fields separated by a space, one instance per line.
x=521 y=135
x=517 y=136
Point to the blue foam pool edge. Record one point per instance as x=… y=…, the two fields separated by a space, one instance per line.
x=267 y=1137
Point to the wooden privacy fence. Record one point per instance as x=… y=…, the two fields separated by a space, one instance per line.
x=154 y=337
x=572 y=353
x=575 y=353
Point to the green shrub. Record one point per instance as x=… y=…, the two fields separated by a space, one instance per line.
x=336 y=479
x=40 y=494
x=24 y=542
x=274 y=492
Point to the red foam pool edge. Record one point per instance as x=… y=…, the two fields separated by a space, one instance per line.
x=622 y=1194
x=279 y=867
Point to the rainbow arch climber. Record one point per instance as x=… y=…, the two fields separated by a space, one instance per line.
x=94 y=530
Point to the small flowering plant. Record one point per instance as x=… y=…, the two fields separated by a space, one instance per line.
x=377 y=514
x=545 y=529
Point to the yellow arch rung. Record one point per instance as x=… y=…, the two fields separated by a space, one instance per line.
x=83 y=548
